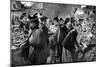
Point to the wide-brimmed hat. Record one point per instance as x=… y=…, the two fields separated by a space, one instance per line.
x=61 y=19
x=44 y=18
x=56 y=19
x=35 y=17
x=67 y=20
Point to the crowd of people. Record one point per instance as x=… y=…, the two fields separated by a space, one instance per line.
x=47 y=38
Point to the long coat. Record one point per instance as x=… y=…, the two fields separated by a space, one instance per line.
x=38 y=40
